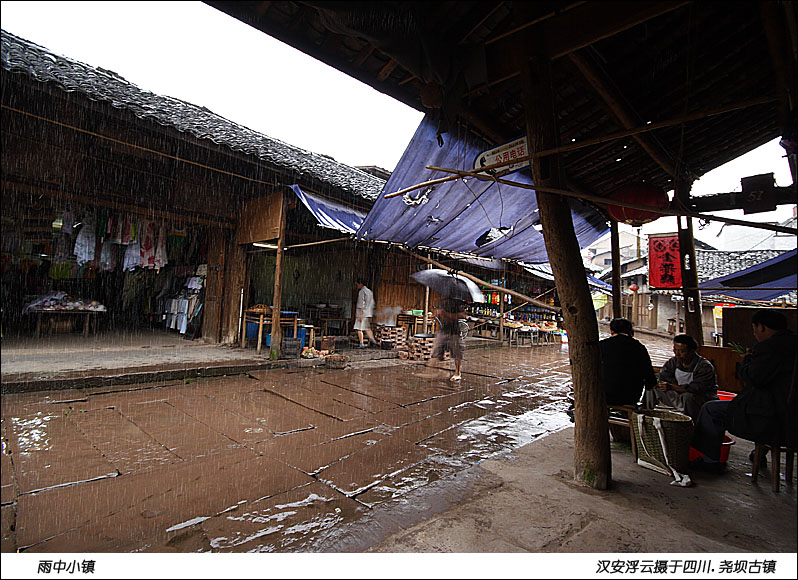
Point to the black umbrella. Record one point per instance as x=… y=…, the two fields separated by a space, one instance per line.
x=449 y=285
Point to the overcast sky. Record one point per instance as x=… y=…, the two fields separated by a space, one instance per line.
x=196 y=53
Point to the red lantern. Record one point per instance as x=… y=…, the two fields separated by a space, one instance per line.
x=634 y=287
x=640 y=194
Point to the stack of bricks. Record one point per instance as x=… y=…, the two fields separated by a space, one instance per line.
x=421 y=348
x=398 y=334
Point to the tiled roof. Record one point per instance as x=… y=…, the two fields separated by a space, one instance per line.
x=22 y=56
x=716 y=263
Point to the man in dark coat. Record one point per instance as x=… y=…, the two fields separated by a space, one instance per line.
x=626 y=363
x=765 y=410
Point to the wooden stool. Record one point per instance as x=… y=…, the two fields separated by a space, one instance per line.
x=760 y=449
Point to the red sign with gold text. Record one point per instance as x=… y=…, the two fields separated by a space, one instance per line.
x=664 y=261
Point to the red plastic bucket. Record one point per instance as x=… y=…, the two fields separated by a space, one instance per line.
x=724 y=450
x=726 y=395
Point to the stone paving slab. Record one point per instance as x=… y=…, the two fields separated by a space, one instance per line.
x=48 y=451
x=199 y=489
x=120 y=441
x=300 y=519
x=276 y=413
x=175 y=430
x=207 y=411
x=314 y=458
x=370 y=465
x=58 y=510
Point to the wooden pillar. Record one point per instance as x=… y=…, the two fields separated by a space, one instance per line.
x=592 y=464
x=214 y=285
x=615 y=256
x=235 y=282
x=274 y=353
x=692 y=300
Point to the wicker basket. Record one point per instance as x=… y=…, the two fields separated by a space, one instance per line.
x=677 y=429
x=337 y=361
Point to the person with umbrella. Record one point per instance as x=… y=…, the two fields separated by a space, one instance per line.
x=455 y=290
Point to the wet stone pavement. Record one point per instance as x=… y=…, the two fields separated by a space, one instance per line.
x=278 y=460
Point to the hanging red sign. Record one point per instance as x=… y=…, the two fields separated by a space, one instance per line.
x=664 y=261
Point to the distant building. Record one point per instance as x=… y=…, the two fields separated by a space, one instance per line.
x=742 y=238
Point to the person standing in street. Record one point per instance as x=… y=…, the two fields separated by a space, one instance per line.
x=365 y=311
x=450 y=336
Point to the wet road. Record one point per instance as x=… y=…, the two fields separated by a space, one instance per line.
x=280 y=460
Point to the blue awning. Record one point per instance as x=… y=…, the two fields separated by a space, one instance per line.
x=331 y=214
x=778 y=272
x=467 y=215
x=544 y=272
x=599 y=285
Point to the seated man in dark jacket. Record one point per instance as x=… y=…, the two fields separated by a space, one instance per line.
x=626 y=363
x=767 y=412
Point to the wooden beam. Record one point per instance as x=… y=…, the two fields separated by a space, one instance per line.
x=575 y=28
x=626 y=118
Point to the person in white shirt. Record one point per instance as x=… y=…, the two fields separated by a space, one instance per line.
x=365 y=311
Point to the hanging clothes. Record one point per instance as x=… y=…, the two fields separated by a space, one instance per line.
x=68 y=220
x=161 y=258
x=128 y=229
x=132 y=256
x=62 y=248
x=147 y=235
x=86 y=241
x=116 y=229
x=107 y=261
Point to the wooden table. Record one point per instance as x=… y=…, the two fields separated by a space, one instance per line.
x=413 y=321
x=322 y=316
x=287 y=318
x=87 y=314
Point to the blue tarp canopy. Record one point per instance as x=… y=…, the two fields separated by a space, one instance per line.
x=331 y=214
x=468 y=215
x=778 y=272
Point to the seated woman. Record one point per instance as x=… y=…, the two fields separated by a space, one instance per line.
x=626 y=363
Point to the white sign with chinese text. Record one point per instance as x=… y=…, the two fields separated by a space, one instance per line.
x=506 y=153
